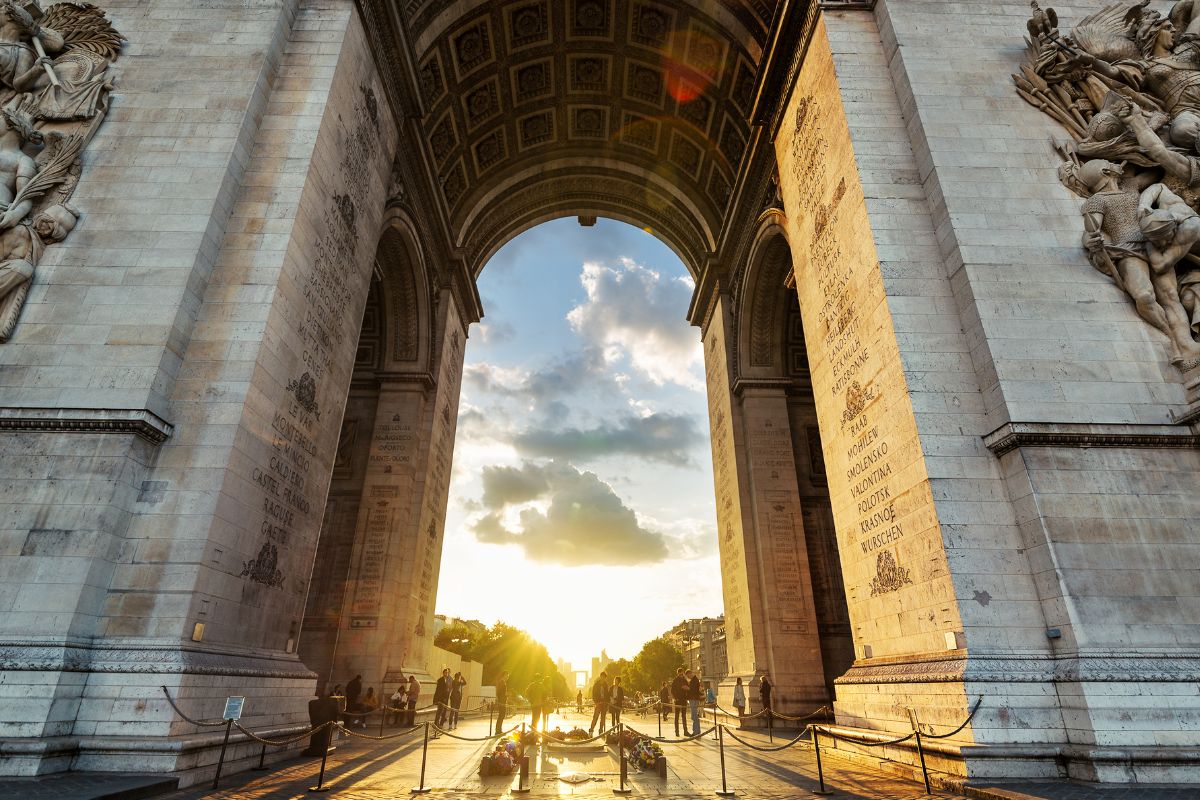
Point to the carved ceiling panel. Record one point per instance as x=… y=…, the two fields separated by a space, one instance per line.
x=654 y=88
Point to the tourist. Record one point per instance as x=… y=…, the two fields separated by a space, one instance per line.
x=764 y=694
x=353 y=690
x=679 y=688
x=396 y=704
x=456 y=698
x=710 y=695
x=441 y=697
x=600 y=693
x=501 y=701
x=617 y=701
x=535 y=695
x=694 y=695
x=664 y=700
x=368 y=704
x=549 y=703
x=412 y=695
x=739 y=698
x=579 y=701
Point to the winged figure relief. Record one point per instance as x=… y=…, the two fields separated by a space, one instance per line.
x=1124 y=84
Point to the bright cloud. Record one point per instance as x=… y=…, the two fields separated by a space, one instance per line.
x=633 y=312
x=579 y=520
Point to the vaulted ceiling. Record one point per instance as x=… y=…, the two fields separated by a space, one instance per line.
x=534 y=109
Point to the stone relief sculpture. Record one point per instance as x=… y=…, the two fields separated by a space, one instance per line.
x=54 y=91
x=1125 y=84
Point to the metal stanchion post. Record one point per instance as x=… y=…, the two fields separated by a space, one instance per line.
x=421 y=788
x=725 y=790
x=221 y=760
x=321 y=787
x=921 y=755
x=820 y=770
x=262 y=758
x=382 y=718
x=658 y=713
x=770 y=727
x=620 y=729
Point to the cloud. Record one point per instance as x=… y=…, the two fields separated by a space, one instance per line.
x=581 y=520
x=634 y=311
x=666 y=438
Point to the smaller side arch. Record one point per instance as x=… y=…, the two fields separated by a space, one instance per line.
x=401 y=268
x=763 y=303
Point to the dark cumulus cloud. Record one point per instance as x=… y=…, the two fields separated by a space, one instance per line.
x=662 y=437
x=584 y=523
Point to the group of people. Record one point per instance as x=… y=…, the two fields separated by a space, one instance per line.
x=401 y=707
x=447 y=694
x=539 y=693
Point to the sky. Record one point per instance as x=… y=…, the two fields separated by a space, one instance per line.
x=581 y=502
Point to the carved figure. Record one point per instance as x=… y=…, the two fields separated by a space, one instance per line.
x=16 y=167
x=21 y=249
x=1125 y=83
x=54 y=89
x=24 y=45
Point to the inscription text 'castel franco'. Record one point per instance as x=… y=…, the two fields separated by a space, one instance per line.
x=1126 y=85
x=54 y=90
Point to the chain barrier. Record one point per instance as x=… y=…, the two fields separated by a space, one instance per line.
x=186 y=718
x=729 y=732
x=822 y=711
x=399 y=735
x=274 y=743
x=444 y=732
x=665 y=740
x=966 y=722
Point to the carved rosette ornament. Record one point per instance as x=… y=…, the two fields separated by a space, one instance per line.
x=54 y=91
x=1125 y=84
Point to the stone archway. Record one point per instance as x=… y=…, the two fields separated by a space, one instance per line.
x=989 y=406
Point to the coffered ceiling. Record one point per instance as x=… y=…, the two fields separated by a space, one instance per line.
x=633 y=109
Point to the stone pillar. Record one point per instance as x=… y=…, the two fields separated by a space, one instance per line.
x=387 y=619
x=166 y=532
x=770 y=622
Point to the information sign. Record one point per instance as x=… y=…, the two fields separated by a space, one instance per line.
x=233 y=707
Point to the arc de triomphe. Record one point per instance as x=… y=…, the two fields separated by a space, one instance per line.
x=951 y=460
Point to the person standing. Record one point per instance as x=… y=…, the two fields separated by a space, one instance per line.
x=764 y=694
x=694 y=695
x=600 y=695
x=739 y=698
x=617 y=701
x=412 y=695
x=501 y=701
x=535 y=696
x=679 y=688
x=579 y=701
x=664 y=700
x=456 y=698
x=353 y=692
x=441 y=697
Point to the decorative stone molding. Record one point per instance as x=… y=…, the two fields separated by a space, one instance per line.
x=41 y=656
x=139 y=421
x=955 y=667
x=1012 y=435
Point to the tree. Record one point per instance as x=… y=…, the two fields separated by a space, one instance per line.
x=656 y=662
x=503 y=647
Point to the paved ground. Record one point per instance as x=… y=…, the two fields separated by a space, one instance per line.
x=374 y=771
x=365 y=770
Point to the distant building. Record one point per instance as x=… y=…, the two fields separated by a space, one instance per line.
x=599 y=664
x=702 y=643
x=441 y=621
